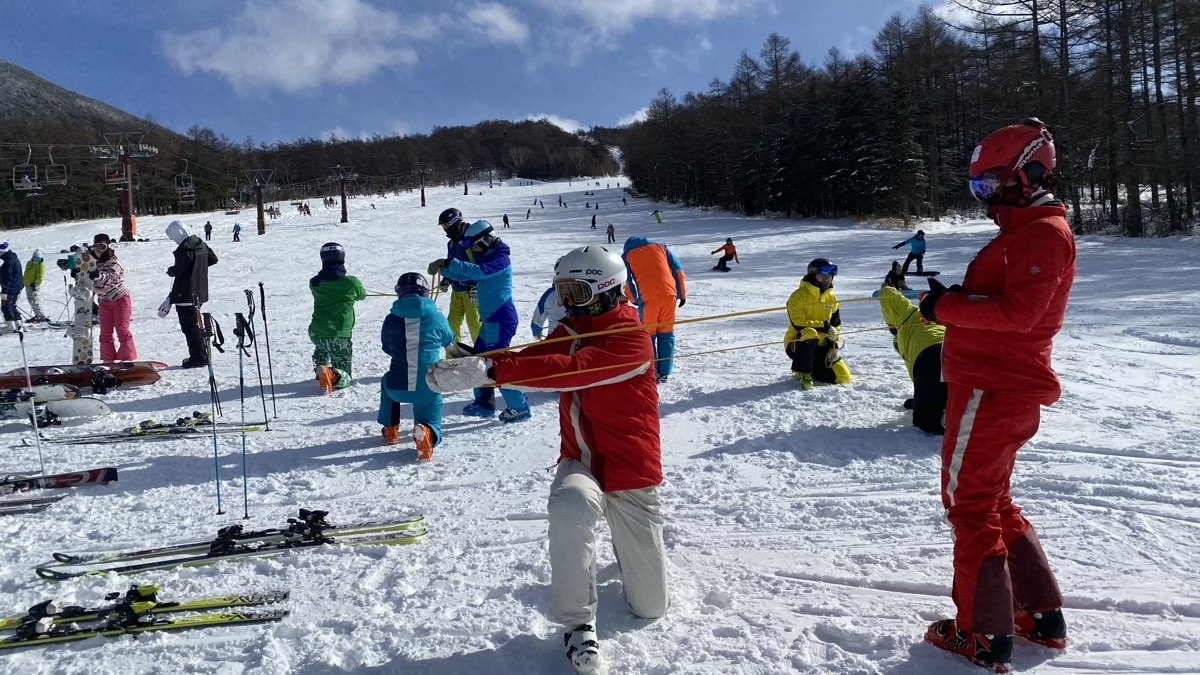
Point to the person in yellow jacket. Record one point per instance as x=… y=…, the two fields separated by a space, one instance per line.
x=919 y=343
x=812 y=336
x=35 y=272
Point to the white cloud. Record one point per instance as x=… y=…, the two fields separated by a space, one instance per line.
x=300 y=45
x=568 y=125
x=638 y=115
x=398 y=128
x=498 y=24
x=614 y=17
x=671 y=59
x=294 y=45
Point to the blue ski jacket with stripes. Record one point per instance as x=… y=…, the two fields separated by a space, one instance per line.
x=492 y=274
x=414 y=334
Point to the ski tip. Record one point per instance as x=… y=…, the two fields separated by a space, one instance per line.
x=55 y=575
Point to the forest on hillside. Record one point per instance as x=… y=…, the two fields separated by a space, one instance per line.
x=220 y=170
x=890 y=132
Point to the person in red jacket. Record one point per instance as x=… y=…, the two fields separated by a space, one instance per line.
x=610 y=458
x=996 y=364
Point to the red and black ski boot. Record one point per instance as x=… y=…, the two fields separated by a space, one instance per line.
x=993 y=652
x=1048 y=629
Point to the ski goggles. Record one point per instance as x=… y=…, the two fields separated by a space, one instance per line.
x=985 y=186
x=828 y=269
x=574 y=292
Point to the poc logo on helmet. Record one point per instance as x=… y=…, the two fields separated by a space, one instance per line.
x=605 y=284
x=594 y=272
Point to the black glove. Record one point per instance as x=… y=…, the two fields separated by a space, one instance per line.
x=930 y=299
x=171 y=271
x=94 y=274
x=897 y=246
x=682 y=301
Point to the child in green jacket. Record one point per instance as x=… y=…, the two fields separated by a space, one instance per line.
x=332 y=327
x=35 y=273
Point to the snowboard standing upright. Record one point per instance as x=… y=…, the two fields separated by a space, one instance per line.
x=81 y=327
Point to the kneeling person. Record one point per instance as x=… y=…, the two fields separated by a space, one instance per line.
x=610 y=455
x=414 y=334
x=919 y=342
x=812 y=336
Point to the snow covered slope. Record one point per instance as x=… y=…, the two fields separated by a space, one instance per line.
x=804 y=529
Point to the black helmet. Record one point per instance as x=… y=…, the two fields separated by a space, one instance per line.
x=729 y=240
x=452 y=222
x=333 y=254
x=920 y=233
x=822 y=266
x=412 y=283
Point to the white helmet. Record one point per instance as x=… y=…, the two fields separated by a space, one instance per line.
x=588 y=275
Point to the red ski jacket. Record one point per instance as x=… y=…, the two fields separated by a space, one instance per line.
x=1000 y=330
x=608 y=406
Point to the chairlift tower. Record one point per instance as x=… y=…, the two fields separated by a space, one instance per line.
x=260 y=179
x=342 y=174
x=122 y=148
x=422 y=170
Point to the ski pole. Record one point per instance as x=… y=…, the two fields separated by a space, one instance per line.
x=242 y=333
x=262 y=300
x=262 y=393
x=37 y=434
x=216 y=409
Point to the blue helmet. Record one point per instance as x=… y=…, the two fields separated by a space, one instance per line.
x=478 y=230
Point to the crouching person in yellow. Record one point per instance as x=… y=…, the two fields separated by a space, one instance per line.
x=920 y=344
x=812 y=337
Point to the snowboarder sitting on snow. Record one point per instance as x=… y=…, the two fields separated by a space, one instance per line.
x=895 y=278
x=920 y=344
x=463 y=295
x=35 y=273
x=492 y=274
x=12 y=280
x=610 y=454
x=917 y=252
x=405 y=381
x=730 y=253
x=548 y=315
x=332 y=327
x=189 y=289
x=812 y=336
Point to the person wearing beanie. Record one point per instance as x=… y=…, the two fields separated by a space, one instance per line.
x=332 y=326
x=35 y=272
x=189 y=290
x=116 y=304
x=11 y=283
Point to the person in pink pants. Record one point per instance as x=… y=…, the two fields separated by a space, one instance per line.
x=116 y=304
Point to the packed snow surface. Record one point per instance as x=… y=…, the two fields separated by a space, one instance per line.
x=804 y=529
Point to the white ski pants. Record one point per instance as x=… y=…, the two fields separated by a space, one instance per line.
x=635 y=518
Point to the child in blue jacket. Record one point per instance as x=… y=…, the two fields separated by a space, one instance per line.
x=413 y=315
x=492 y=274
x=917 y=241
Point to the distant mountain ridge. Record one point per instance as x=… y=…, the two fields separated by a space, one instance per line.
x=24 y=96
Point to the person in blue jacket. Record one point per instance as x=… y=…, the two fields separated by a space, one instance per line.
x=547 y=315
x=414 y=334
x=916 y=253
x=492 y=274
x=12 y=282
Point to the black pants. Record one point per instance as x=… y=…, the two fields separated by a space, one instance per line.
x=807 y=357
x=238 y=237
x=919 y=257
x=9 y=308
x=208 y=236
x=192 y=332
x=723 y=263
x=929 y=392
x=612 y=239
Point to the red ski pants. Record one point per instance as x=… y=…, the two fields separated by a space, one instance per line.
x=115 y=316
x=999 y=564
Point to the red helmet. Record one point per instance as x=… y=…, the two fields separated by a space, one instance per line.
x=1024 y=152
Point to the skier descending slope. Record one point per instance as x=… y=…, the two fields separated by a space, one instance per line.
x=492 y=274
x=996 y=363
x=610 y=459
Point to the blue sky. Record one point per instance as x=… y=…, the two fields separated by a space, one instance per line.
x=287 y=69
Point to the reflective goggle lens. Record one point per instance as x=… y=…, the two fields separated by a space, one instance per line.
x=985 y=187
x=572 y=292
x=829 y=270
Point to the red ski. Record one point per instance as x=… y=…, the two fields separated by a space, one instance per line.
x=10 y=484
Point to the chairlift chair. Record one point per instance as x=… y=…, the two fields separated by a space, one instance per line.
x=114 y=174
x=25 y=176
x=55 y=173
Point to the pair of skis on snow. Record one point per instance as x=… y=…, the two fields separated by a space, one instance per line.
x=197 y=425
x=310 y=530
x=51 y=402
x=138 y=610
x=32 y=504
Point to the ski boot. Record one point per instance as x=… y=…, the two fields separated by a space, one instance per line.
x=424 y=437
x=582 y=649
x=391 y=435
x=327 y=379
x=1044 y=628
x=993 y=652
x=805 y=380
x=515 y=414
x=662 y=379
x=478 y=409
